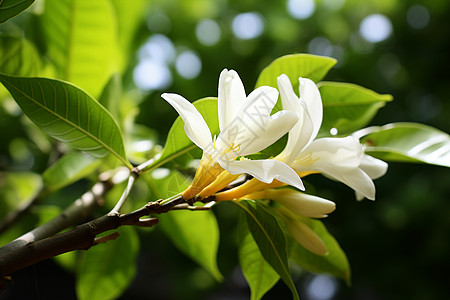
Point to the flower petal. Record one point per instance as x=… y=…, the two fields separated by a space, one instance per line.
x=302 y=204
x=330 y=153
x=301 y=134
x=265 y=170
x=340 y=159
x=231 y=97
x=375 y=168
x=194 y=125
x=310 y=95
x=254 y=129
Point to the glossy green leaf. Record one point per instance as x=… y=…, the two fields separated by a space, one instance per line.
x=294 y=66
x=407 y=142
x=68 y=114
x=177 y=142
x=260 y=276
x=11 y=8
x=71 y=167
x=270 y=238
x=19 y=57
x=348 y=107
x=81 y=37
x=195 y=233
x=334 y=263
x=106 y=270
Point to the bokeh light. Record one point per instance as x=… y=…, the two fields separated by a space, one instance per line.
x=375 y=28
x=301 y=9
x=188 y=64
x=158 y=47
x=418 y=16
x=208 y=32
x=321 y=287
x=248 y=25
x=151 y=74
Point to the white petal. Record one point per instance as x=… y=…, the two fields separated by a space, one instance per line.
x=310 y=95
x=375 y=168
x=265 y=170
x=306 y=237
x=301 y=134
x=340 y=159
x=260 y=138
x=194 y=125
x=302 y=204
x=254 y=129
x=231 y=97
x=331 y=153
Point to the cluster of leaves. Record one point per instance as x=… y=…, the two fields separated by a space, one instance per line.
x=76 y=101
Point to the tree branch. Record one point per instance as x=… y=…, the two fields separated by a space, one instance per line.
x=82 y=237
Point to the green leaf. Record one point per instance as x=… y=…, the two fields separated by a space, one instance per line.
x=334 y=263
x=68 y=114
x=81 y=38
x=177 y=142
x=195 y=233
x=270 y=238
x=19 y=57
x=348 y=107
x=107 y=269
x=260 y=276
x=11 y=8
x=71 y=167
x=408 y=142
x=294 y=66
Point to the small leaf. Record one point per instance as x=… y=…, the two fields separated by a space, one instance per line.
x=68 y=114
x=294 y=66
x=106 y=270
x=408 y=142
x=260 y=276
x=334 y=263
x=177 y=142
x=348 y=107
x=195 y=233
x=81 y=36
x=11 y=8
x=71 y=167
x=270 y=238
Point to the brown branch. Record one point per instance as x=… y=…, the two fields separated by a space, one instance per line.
x=75 y=213
x=81 y=237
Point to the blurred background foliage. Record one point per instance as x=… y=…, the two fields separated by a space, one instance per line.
x=397 y=246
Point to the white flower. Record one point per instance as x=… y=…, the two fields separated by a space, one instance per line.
x=342 y=159
x=246 y=127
